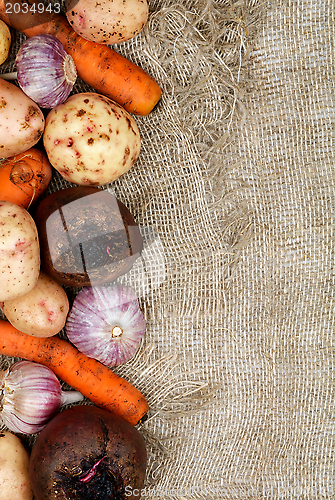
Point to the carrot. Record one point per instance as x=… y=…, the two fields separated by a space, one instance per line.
x=98 y=65
x=86 y=375
x=24 y=177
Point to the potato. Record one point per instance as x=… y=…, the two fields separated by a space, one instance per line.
x=42 y=312
x=19 y=251
x=14 y=469
x=108 y=21
x=21 y=121
x=91 y=140
x=5 y=41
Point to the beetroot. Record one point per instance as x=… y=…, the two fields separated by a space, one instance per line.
x=86 y=453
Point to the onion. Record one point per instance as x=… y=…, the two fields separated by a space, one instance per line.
x=106 y=323
x=45 y=72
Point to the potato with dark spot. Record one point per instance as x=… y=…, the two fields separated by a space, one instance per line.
x=21 y=121
x=97 y=142
x=19 y=251
x=107 y=21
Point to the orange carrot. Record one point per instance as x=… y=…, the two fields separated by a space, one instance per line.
x=86 y=375
x=24 y=177
x=98 y=65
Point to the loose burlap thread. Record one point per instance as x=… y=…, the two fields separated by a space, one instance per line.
x=234 y=195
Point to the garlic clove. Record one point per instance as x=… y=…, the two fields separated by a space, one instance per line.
x=31 y=396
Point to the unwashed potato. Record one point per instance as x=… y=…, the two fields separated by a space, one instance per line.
x=91 y=140
x=5 y=41
x=107 y=21
x=19 y=251
x=21 y=120
x=41 y=312
x=14 y=469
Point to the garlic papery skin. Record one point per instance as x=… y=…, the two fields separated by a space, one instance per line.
x=31 y=396
x=106 y=323
x=45 y=72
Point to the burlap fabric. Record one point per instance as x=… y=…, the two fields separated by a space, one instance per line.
x=234 y=194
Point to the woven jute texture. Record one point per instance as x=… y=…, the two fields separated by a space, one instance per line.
x=234 y=195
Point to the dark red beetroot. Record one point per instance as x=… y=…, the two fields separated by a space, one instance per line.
x=87 y=236
x=86 y=453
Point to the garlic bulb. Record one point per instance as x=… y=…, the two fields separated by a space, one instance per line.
x=106 y=323
x=45 y=72
x=31 y=396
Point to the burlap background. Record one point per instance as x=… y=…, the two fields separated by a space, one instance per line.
x=234 y=192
